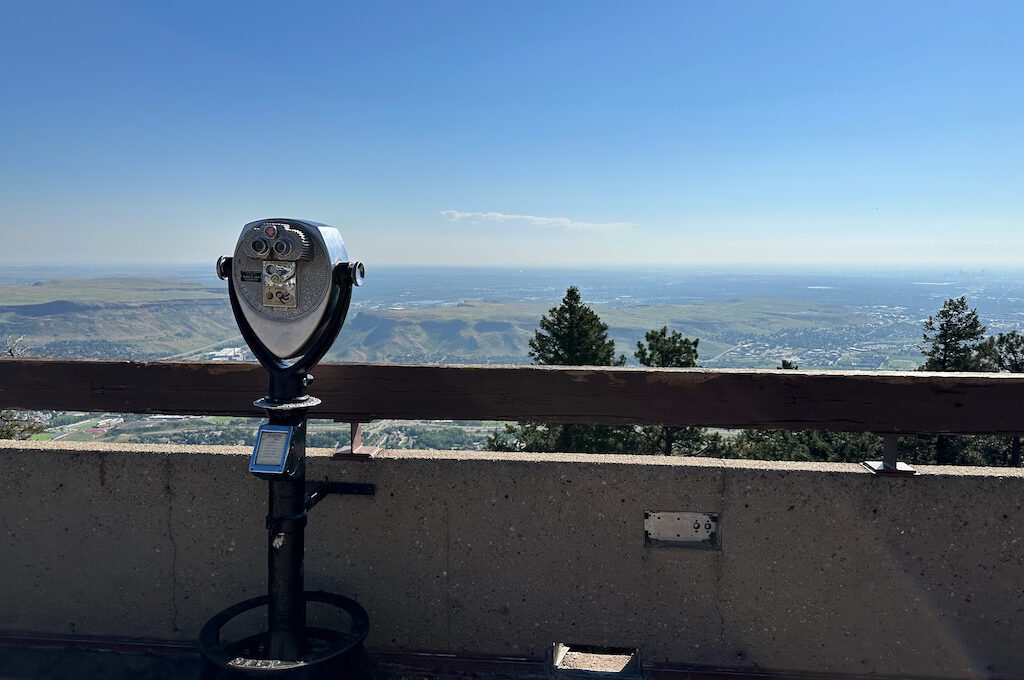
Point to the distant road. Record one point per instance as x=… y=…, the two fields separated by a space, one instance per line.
x=723 y=353
x=189 y=353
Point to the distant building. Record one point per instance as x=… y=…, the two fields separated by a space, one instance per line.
x=228 y=354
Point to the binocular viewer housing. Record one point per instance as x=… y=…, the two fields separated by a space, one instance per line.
x=290 y=283
x=282 y=276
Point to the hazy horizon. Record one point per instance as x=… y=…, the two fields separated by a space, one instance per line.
x=802 y=268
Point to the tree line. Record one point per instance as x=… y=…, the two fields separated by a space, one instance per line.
x=572 y=334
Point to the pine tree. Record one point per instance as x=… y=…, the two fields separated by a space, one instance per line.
x=668 y=350
x=571 y=334
x=1006 y=353
x=954 y=339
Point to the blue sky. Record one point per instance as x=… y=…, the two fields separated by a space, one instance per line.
x=522 y=133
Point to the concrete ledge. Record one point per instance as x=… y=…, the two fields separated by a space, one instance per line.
x=823 y=568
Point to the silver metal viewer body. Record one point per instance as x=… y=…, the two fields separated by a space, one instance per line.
x=282 y=272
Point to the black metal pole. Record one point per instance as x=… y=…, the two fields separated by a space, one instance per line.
x=286 y=523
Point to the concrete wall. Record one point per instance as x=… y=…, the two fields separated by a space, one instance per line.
x=823 y=567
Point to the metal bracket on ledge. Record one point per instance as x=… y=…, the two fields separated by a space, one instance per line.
x=889 y=465
x=357 y=449
x=317 y=491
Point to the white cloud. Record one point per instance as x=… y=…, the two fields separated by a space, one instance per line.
x=534 y=220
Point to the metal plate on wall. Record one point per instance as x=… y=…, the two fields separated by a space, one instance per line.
x=700 y=530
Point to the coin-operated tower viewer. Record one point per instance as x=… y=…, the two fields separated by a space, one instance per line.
x=290 y=284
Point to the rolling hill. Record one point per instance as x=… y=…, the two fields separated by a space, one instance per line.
x=143 y=318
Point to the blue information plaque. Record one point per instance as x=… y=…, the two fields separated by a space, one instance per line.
x=270 y=454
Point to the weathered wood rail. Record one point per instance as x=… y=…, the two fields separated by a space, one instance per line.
x=835 y=400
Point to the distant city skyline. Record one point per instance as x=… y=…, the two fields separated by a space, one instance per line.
x=519 y=134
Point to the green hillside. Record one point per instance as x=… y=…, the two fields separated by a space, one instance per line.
x=500 y=333
x=116 y=317
x=142 y=318
x=470 y=332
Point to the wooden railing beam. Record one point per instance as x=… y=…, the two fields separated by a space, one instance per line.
x=837 y=400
